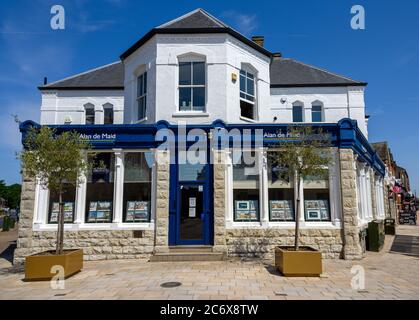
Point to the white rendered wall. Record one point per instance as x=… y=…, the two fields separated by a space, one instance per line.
x=338 y=103
x=143 y=59
x=61 y=105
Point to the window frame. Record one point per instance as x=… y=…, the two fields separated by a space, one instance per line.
x=317 y=105
x=142 y=97
x=191 y=62
x=245 y=73
x=108 y=106
x=89 y=106
x=301 y=106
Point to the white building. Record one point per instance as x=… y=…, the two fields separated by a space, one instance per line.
x=197 y=70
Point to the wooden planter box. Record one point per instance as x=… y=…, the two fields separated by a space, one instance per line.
x=38 y=266
x=306 y=262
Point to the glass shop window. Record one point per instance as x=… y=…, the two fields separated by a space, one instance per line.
x=137 y=186
x=246 y=186
x=316 y=198
x=100 y=188
x=69 y=199
x=280 y=192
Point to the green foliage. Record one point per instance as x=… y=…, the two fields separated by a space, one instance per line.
x=57 y=160
x=306 y=153
x=11 y=194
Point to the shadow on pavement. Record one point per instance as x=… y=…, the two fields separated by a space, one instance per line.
x=405 y=244
x=7 y=253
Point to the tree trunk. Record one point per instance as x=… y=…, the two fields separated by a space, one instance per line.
x=297 y=217
x=60 y=231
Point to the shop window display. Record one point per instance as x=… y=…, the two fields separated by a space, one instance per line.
x=137 y=186
x=68 y=197
x=100 y=188
x=246 y=187
x=280 y=192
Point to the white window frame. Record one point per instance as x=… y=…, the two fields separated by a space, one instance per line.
x=89 y=106
x=192 y=86
x=317 y=104
x=254 y=96
x=298 y=104
x=108 y=106
x=334 y=198
x=40 y=220
x=142 y=96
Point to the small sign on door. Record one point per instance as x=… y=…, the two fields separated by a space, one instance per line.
x=192 y=212
x=192 y=202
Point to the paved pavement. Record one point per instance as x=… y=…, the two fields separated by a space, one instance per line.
x=392 y=273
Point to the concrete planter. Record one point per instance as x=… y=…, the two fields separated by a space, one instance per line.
x=38 y=266
x=306 y=262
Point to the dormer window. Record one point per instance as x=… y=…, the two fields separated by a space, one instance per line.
x=141 y=96
x=89 y=113
x=192 y=86
x=247 y=95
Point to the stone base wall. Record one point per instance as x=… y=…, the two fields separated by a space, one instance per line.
x=96 y=245
x=261 y=242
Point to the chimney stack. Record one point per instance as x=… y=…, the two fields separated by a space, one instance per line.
x=45 y=81
x=259 y=40
x=276 y=55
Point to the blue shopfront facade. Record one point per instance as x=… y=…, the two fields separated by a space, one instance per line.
x=191 y=191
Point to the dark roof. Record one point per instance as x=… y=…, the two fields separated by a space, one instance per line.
x=198 y=18
x=287 y=72
x=284 y=72
x=195 y=22
x=110 y=77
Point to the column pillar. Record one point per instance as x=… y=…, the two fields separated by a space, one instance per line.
x=119 y=186
x=264 y=218
x=334 y=190
x=220 y=169
x=352 y=247
x=162 y=185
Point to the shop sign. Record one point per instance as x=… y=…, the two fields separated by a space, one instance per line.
x=99 y=137
x=407 y=217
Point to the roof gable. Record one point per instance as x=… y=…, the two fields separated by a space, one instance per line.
x=195 y=22
x=198 y=18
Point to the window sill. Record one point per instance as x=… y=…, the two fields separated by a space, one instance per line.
x=248 y=119
x=141 y=121
x=95 y=226
x=190 y=114
x=282 y=225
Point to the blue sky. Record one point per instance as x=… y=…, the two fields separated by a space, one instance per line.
x=385 y=54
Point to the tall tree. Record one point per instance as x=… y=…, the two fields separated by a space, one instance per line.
x=304 y=154
x=58 y=161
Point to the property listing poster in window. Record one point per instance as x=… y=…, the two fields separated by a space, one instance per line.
x=68 y=212
x=317 y=210
x=100 y=211
x=137 y=211
x=246 y=210
x=281 y=210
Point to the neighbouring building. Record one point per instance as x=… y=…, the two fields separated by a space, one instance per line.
x=196 y=70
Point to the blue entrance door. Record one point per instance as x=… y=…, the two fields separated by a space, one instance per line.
x=191 y=216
